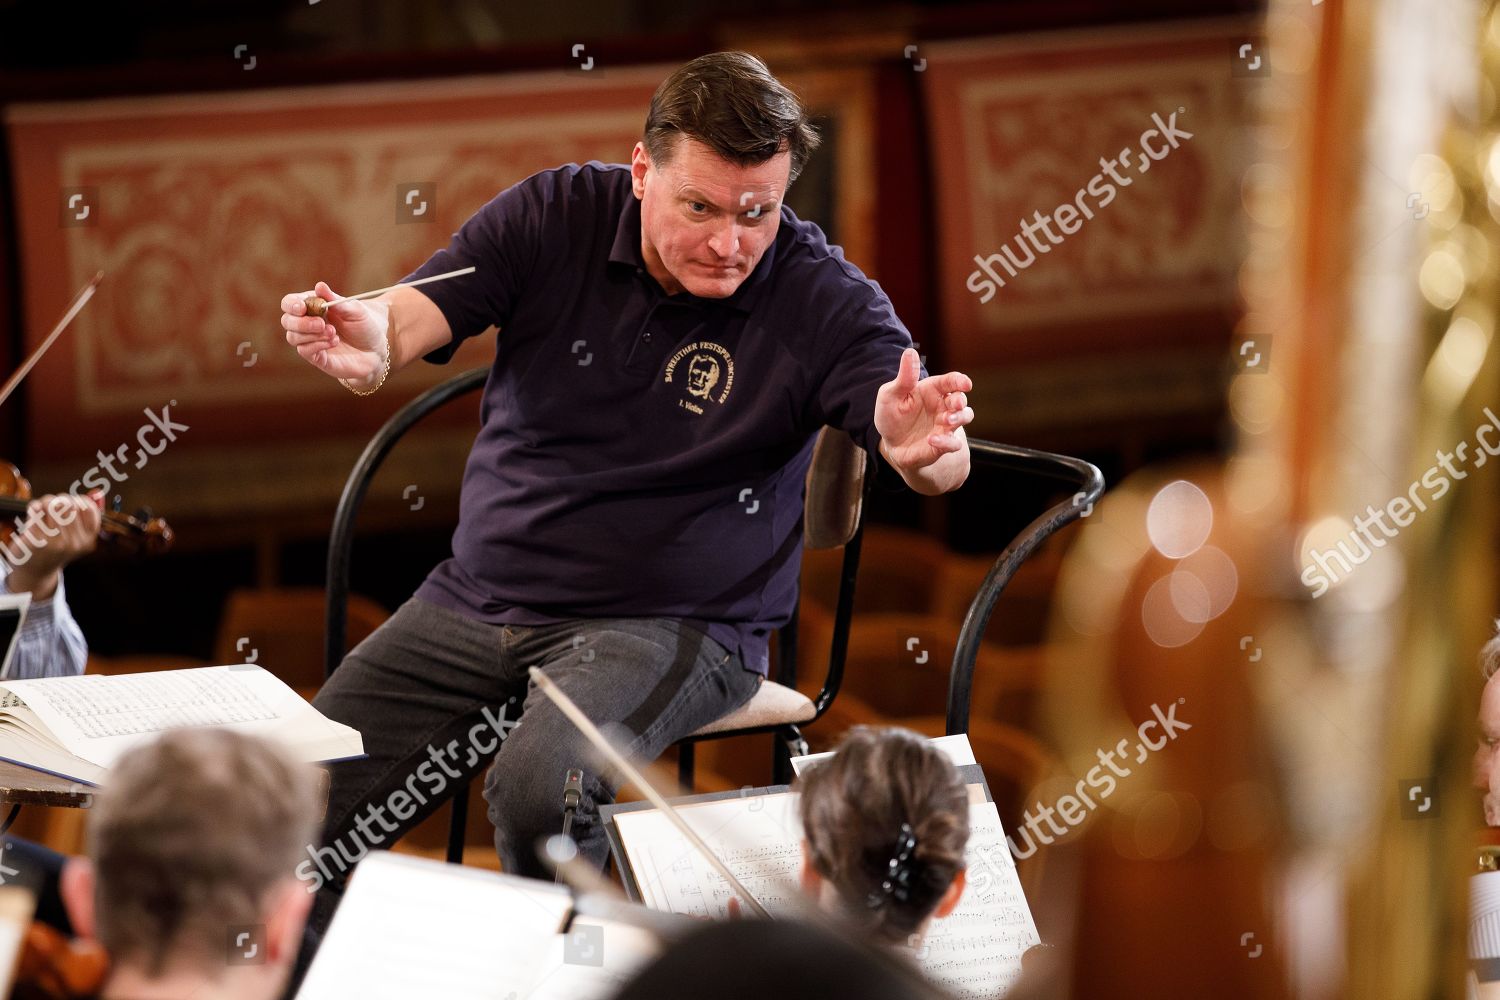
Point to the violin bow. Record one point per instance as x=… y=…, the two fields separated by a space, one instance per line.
x=79 y=301
x=602 y=744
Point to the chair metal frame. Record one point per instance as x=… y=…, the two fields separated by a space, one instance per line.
x=1085 y=476
x=1075 y=471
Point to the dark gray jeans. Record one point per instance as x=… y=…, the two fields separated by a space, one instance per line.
x=431 y=691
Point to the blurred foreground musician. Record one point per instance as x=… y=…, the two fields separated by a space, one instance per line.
x=188 y=882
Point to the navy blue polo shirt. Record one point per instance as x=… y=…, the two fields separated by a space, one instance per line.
x=643 y=454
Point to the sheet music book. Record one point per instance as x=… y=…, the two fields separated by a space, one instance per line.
x=77 y=727
x=13 y=608
x=974 y=952
x=412 y=927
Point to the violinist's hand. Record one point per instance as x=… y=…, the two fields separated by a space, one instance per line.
x=734 y=908
x=57 y=530
x=349 y=342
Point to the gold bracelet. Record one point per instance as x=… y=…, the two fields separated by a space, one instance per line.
x=384 y=371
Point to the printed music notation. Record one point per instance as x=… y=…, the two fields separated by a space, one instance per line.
x=976 y=950
x=687 y=884
x=102 y=705
x=973 y=952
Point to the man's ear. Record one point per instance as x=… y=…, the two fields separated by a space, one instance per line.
x=76 y=886
x=640 y=160
x=953 y=894
x=285 y=920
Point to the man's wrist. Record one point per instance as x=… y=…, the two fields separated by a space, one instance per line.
x=377 y=376
x=944 y=475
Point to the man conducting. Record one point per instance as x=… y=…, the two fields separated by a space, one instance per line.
x=672 y=338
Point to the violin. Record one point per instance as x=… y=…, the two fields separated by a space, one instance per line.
x=141 y=531
x=54 y=966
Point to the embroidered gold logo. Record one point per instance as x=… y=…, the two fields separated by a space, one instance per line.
x=709 y=369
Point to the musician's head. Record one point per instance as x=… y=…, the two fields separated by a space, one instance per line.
x=724 y=139
x=886 y=796
x=189 y=869
x=785 y=959
x=1487 y=755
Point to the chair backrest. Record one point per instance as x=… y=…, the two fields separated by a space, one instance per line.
x=835 y=492
x=838 y=480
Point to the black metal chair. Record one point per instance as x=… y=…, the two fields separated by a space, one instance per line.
x=838 y=482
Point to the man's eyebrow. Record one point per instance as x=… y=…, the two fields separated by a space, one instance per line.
x=693 y=194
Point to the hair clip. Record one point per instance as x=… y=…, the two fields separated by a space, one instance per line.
x=898 y=872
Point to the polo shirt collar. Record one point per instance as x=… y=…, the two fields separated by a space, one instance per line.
x=627 y=250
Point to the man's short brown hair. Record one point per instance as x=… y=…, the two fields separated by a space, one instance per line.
x=189 y=837
x=730 y=102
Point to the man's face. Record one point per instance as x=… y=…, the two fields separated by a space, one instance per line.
x=1487 y=755
x=705 y=222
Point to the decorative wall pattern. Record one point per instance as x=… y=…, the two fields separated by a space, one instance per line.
x=1019 y=125
x=204 y=210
